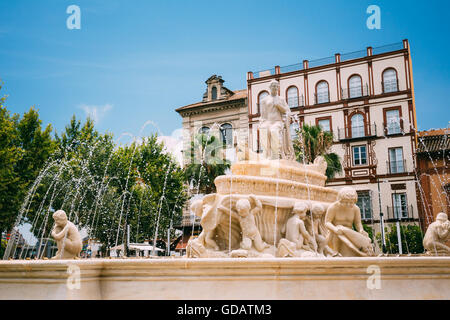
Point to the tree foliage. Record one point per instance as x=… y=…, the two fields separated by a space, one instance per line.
x=207 y=162
x=312 y=142
x=412 y=239
x=24 y=149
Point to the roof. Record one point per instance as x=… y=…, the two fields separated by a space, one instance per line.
x=434 y=132
x=184 y=242
x=238 y=94
x=433 y=141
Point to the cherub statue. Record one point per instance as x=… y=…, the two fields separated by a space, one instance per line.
x=437 y=234
x=316 y=227
x=250 y=233
x=206 y=210
x=296 y=231
x=67 y=237
x=340 y=218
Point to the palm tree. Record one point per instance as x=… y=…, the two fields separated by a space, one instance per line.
x=312 y=142
x=207 y=163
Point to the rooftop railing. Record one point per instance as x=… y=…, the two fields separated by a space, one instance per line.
x=332 y=59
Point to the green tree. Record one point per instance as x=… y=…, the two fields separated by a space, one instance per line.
x=76 y=179
x=312 y=142
x=9 y=180
x=412 y=239
x=151 y=191
x=207 y=162
x=24 y=149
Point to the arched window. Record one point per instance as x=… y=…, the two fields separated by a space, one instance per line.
x=261 y=96
x=292 y=97
x=204 y=130
x=357 y=123
x=322 y=93
x=226 y=132
x=355 y=86
x=390 y=80
x=213 y=93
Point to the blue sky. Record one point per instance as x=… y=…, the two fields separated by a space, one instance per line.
x=135 y=61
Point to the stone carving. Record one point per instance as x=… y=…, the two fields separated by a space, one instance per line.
x=298 y=241
x=274 y=126
x=67 y=237
x=340 y=217
x=206 y=211
x=250 y=233
x=316 y=227
x=437 y=234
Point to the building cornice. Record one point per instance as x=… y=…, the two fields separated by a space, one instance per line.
x=210 y=107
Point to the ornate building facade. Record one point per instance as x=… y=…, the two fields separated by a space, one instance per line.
x=366 y=100
x=220 y=107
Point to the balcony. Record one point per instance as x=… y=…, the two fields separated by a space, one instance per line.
x=320 y=98
x=389 y=86
x=394 y=167
x=393 y=127
x=356 y=92
x=357 y=133
x=395 y=213
x=295 y=102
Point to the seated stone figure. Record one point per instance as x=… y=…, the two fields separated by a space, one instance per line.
x=250 y=233
x=67 y=237
x=437 y=234
x=340 y=218
x=316 y=227
x=298 y=241
x=296 y=231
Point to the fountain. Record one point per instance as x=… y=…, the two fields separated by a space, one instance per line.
x=271 y=231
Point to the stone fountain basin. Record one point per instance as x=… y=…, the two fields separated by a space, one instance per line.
x=268 y=186
x=226 y=278
x=270 y=221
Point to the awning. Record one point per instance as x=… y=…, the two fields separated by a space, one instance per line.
x=143 y=247
x=183 y=243
x=134 y=246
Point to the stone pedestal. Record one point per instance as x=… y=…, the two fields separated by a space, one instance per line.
x=235 y=279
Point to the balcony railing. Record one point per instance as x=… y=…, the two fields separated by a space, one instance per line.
x=359 y=132
x=396 y=166
x=394 y=127
x=400 y=212
x=389 y=86
x=264 y=73
x=355 y=92
x=295 y=102
x=321 y=97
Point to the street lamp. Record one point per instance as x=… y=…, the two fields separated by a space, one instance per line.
x=383 y=242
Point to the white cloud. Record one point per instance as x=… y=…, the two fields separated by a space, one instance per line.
x=174 y=144
x=96 y=113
